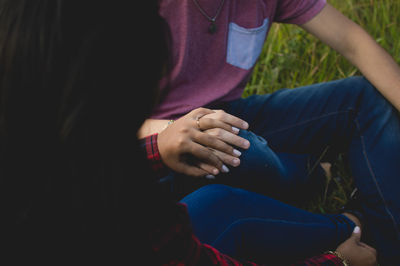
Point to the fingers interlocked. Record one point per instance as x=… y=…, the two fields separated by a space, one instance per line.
x=198 y=122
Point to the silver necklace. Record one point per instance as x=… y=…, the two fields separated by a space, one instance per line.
x=212 y=28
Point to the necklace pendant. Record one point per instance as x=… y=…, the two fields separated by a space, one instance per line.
x=212 y=28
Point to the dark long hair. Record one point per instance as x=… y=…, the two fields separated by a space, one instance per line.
x=77 y=79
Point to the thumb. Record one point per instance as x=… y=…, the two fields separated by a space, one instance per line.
x=356 y=235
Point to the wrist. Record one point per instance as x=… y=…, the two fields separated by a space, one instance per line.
x=340 y=256
x=152 y=126
x=169 y=123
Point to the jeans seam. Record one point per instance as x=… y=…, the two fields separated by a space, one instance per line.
x=308 y=121
x=374 y=178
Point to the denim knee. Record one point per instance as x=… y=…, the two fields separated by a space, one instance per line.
x=259 y=163
x=212 y=192
x=368 y=95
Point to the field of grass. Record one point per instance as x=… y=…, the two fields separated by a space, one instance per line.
x=292 y=58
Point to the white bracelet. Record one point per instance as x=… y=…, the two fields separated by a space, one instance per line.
x=169 y=123
x=340 y=256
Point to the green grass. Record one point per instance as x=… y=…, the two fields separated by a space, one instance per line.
x=291 y=58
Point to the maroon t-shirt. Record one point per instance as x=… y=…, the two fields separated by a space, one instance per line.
x=212 y=68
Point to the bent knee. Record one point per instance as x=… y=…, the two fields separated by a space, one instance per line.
x=368 y=97
x=259 y=159
x=213 y=193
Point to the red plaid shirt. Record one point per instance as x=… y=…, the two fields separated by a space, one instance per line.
x=178 y=238
x=153 y=155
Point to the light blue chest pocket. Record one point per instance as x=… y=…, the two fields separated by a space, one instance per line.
x=245 y=45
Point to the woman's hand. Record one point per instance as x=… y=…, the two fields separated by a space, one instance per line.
x=228 y=136
x=357 y=252
x=192 y=144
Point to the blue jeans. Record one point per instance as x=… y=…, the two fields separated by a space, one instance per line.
x=250 y=226
x=347 y=115
x=284 y=176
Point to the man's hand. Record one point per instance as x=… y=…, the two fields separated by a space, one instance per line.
x=356 y=252
x=198 y=144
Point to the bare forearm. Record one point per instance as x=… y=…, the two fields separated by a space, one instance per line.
x=356 y=45
x=375 y=64
x=152 y=126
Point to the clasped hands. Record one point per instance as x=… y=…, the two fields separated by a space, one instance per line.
x=202 y=143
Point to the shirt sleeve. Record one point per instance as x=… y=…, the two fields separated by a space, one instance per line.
x=297 y=11
x=149 y=145
x=323 y=260
x=177 y=245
